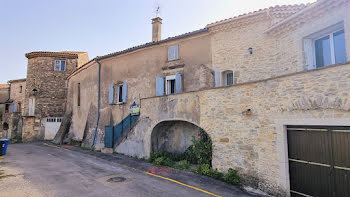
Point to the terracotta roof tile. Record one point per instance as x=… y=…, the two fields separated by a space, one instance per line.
x=63 y=54
x=4 y=85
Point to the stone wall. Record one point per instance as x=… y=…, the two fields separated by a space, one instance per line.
x=17 y=93
x=28 y=128
x=51 y=95
x=251 y=142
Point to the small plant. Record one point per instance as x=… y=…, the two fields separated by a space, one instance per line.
x=202 y=169
x=231 y=177
x=215 y=174
x=87 y=148
x=164 y=161
x=182 y=165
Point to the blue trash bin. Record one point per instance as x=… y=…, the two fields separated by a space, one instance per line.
x=3 y=143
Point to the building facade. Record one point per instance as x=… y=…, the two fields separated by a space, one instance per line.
x=46 y=92
x=250 y=82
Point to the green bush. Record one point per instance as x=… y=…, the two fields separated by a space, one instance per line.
x=231 y=177
x=163 y=161
x=215 y=174
x=201 y=150
x=202 y=169
x=182 y=165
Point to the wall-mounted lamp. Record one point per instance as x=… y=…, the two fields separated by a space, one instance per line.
x=35 y=91
x=250 y=50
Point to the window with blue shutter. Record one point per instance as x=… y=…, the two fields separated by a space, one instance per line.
x=173 y=52
x=159 y=86
x=178 y=82
x=15 y=107
x=111 y=94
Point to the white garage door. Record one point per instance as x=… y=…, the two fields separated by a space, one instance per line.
x=52 y=125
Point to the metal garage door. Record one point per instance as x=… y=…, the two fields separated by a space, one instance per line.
x=319 y=160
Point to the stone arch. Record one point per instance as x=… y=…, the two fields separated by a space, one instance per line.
x=5 y=126
x=173 y=135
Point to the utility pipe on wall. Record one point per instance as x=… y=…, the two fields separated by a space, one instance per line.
x=98 y=100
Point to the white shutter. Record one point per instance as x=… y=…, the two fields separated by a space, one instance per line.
x=125 y=92
x=31 y=107
x=178 y=82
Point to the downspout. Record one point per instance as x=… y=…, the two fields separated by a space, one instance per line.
x=98 y=100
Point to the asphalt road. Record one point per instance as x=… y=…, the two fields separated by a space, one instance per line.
x=46 y=171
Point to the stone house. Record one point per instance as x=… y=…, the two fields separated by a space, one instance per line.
x=4 y=96
x=46 y=92
x=264 y=86
x=11 y=116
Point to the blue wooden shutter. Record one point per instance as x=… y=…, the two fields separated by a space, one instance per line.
x=111 y=94
x=125 y=92
x=178 y=82
x=14 y=107
x=159 y=86
x=217 y=77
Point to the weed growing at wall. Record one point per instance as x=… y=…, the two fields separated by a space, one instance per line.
x=200 y=154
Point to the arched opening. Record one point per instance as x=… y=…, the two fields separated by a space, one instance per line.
x=173 y=136
x=5 y=126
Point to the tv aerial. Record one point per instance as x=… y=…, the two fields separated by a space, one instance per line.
x=157 y=9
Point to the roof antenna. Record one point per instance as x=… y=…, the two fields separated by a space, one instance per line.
x=157 y=9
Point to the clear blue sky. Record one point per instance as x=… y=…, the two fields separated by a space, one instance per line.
x=102 y=26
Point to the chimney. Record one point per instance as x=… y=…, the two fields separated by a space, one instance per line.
x=156 y=29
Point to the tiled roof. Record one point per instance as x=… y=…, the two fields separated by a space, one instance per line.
x=278 y=11
x=17 y=80
x=153 y=43
x=63 y=54
x=4 y=85
x=310 y=10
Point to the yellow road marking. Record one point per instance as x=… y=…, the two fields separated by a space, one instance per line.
x=158 y=176
x=183 y=184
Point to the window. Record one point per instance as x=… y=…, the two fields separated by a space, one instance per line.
x=118 y=93
x=173 y=84
x=60 y=65
x=224 y=78
x=228 y=78
x=173 y=52
x=7 y=106
x=20 y=89
x=330 y=49
x=170 y=84
x=78 y=102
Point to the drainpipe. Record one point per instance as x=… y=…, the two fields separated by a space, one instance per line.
x=98 y=100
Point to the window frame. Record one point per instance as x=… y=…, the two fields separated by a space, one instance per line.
x=167 y=88
x=119 y=93
x=60 y=65
x=331 y=40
